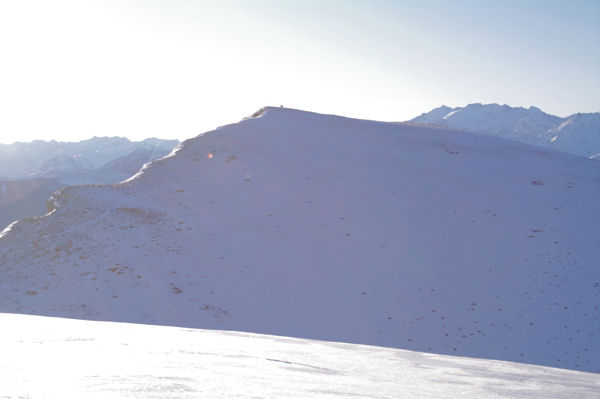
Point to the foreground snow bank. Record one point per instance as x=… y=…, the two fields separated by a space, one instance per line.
x=61 y=358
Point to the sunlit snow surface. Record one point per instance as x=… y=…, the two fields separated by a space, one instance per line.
x=62 y=358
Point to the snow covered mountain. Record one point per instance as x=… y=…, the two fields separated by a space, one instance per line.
x=60 y=358
x=577 y=134
x=31 y=172
x=54 y=159
x=316 y=226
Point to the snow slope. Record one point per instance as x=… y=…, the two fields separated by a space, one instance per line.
x=61 y=358
x=31 y=172
x=577 y=134
x=299 y=224
x=24 y=198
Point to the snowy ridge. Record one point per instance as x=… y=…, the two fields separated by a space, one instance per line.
x=318 y=226
x=55 y=159
x=83 y=359
x=31 y=172
x=7 y=229
x=578 y=134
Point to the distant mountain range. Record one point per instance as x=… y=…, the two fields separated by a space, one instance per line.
x=31 y=172
x=577 y=134
x=53 y=159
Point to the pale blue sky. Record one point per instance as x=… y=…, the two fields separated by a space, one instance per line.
x=72 y=69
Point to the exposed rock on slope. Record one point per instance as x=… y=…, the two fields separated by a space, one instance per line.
x=318 y=226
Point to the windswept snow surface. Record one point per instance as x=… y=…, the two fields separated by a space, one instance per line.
x=61 y=358
x=577 y=134
x=314 y=226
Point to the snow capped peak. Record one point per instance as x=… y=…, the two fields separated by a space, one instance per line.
x=433 y=115
x=479 y=105
x=536 y=109
x=528 y=125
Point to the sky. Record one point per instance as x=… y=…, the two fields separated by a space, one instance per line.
x=74 y=69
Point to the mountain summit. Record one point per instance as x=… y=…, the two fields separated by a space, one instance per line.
x=577 y=134
x=317 y=226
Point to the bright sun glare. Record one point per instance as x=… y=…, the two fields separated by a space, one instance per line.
x=75 y=69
